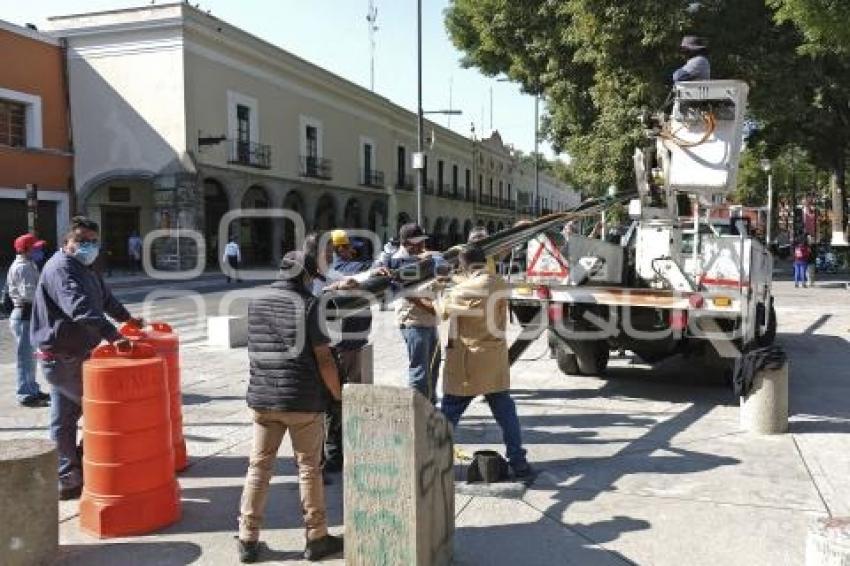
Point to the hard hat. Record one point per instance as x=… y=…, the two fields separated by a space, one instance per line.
x=339 y=238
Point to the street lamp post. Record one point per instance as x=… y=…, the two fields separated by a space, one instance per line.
x=419 y=160
x=765 y=165
x=420 y=177
x=536 y=156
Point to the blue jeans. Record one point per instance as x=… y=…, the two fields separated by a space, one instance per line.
x=800 y=272
x=423 y=352
x=64 y=374
x=27 y=388
x=504 y=411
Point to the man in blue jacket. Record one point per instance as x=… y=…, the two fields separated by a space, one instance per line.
x=68 y=320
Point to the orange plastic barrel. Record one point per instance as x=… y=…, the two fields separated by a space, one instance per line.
x=166 y=343
x=128 y=464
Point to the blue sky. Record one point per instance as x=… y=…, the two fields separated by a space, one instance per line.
x=334 y=35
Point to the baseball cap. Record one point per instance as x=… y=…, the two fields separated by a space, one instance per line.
x=412 y=233
x=693 y=43
x=25 y=242
x=295 y=263
x=339 y=238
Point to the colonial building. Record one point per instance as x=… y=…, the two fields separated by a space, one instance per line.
x=34 y=137
x=180 y=117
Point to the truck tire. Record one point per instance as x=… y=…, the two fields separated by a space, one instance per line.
x=567 y=361
x=591 y=355
x=767 y=337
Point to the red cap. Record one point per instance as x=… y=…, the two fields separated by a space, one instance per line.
x=24 y=243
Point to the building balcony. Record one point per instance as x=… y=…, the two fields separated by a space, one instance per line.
x=372 y=178
x=405 y=183
x=316 y=167
x=250 y=154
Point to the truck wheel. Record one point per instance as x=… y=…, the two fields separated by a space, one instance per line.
x=591 y=355
x=567 y=361
x=767 y=337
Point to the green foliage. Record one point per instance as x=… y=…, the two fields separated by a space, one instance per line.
x=825 y=24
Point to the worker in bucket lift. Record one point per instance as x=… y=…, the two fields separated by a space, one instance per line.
x=697 y=67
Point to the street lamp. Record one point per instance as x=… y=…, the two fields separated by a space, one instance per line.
x=765 y=165
x=419 y=158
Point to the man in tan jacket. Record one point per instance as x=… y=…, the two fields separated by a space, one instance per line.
x=477 y=354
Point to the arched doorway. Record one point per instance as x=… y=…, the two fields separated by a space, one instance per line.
x=352 y=217
x=491 y=227
x=216 y=206
x=438 y=239
x=378 y=219
x=255 y=235
x=453 y=237
x=467 y=228
x=325 y=217
x=295 y=203
x=403 y=218
x=501 y=226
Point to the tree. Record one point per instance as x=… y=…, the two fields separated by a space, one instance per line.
x=825 y=24
x=600 y=62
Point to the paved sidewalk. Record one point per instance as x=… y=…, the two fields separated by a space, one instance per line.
x=646 y=466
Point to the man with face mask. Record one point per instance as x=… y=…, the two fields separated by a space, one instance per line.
x=68 y=320
x=21 y=281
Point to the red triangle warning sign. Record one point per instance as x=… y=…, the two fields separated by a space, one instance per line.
x=546 y=259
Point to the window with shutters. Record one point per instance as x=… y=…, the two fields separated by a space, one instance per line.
x=13 y=124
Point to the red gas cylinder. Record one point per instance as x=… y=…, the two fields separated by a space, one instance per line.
x=128 y=463
x=162 y=338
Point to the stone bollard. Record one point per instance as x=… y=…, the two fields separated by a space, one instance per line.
x=399 y=478
x=828 y=542
x=29 y=512
x=765 y=409
x=227 y=331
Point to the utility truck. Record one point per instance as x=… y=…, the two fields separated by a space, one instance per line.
x=677 y=281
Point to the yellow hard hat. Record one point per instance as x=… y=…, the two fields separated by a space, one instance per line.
x=339 y=238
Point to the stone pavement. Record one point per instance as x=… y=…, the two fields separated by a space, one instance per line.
x=646 y=466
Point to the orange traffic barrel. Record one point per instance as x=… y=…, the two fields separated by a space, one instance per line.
x=166 y=343
x=128 y=464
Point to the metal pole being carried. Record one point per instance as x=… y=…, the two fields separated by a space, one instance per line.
x=420 y=177
x=769 y=227
x=536 y=157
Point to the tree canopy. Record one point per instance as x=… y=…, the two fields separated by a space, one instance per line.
x=599 y=63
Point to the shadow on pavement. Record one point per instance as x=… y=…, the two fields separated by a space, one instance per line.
x=819 y=383
x=160 y=553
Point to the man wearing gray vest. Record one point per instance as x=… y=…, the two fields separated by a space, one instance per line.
x=293 y=377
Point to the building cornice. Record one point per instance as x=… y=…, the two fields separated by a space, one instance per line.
x=28 y=33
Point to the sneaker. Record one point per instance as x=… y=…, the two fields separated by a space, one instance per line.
x=35 y=403
x=69 y=493
x=43 y=395
x=249 y=550
x=524 y=474
x=323 y=547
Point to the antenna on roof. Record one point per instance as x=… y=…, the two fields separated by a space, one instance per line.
x=372 y=17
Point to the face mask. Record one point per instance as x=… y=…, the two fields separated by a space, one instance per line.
x=86 y=253
x=37 y=255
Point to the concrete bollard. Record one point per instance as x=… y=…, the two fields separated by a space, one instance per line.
x=828 y=542
x=765 y=409
x=29 y=512
x=399 y=478
x=227 y=331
